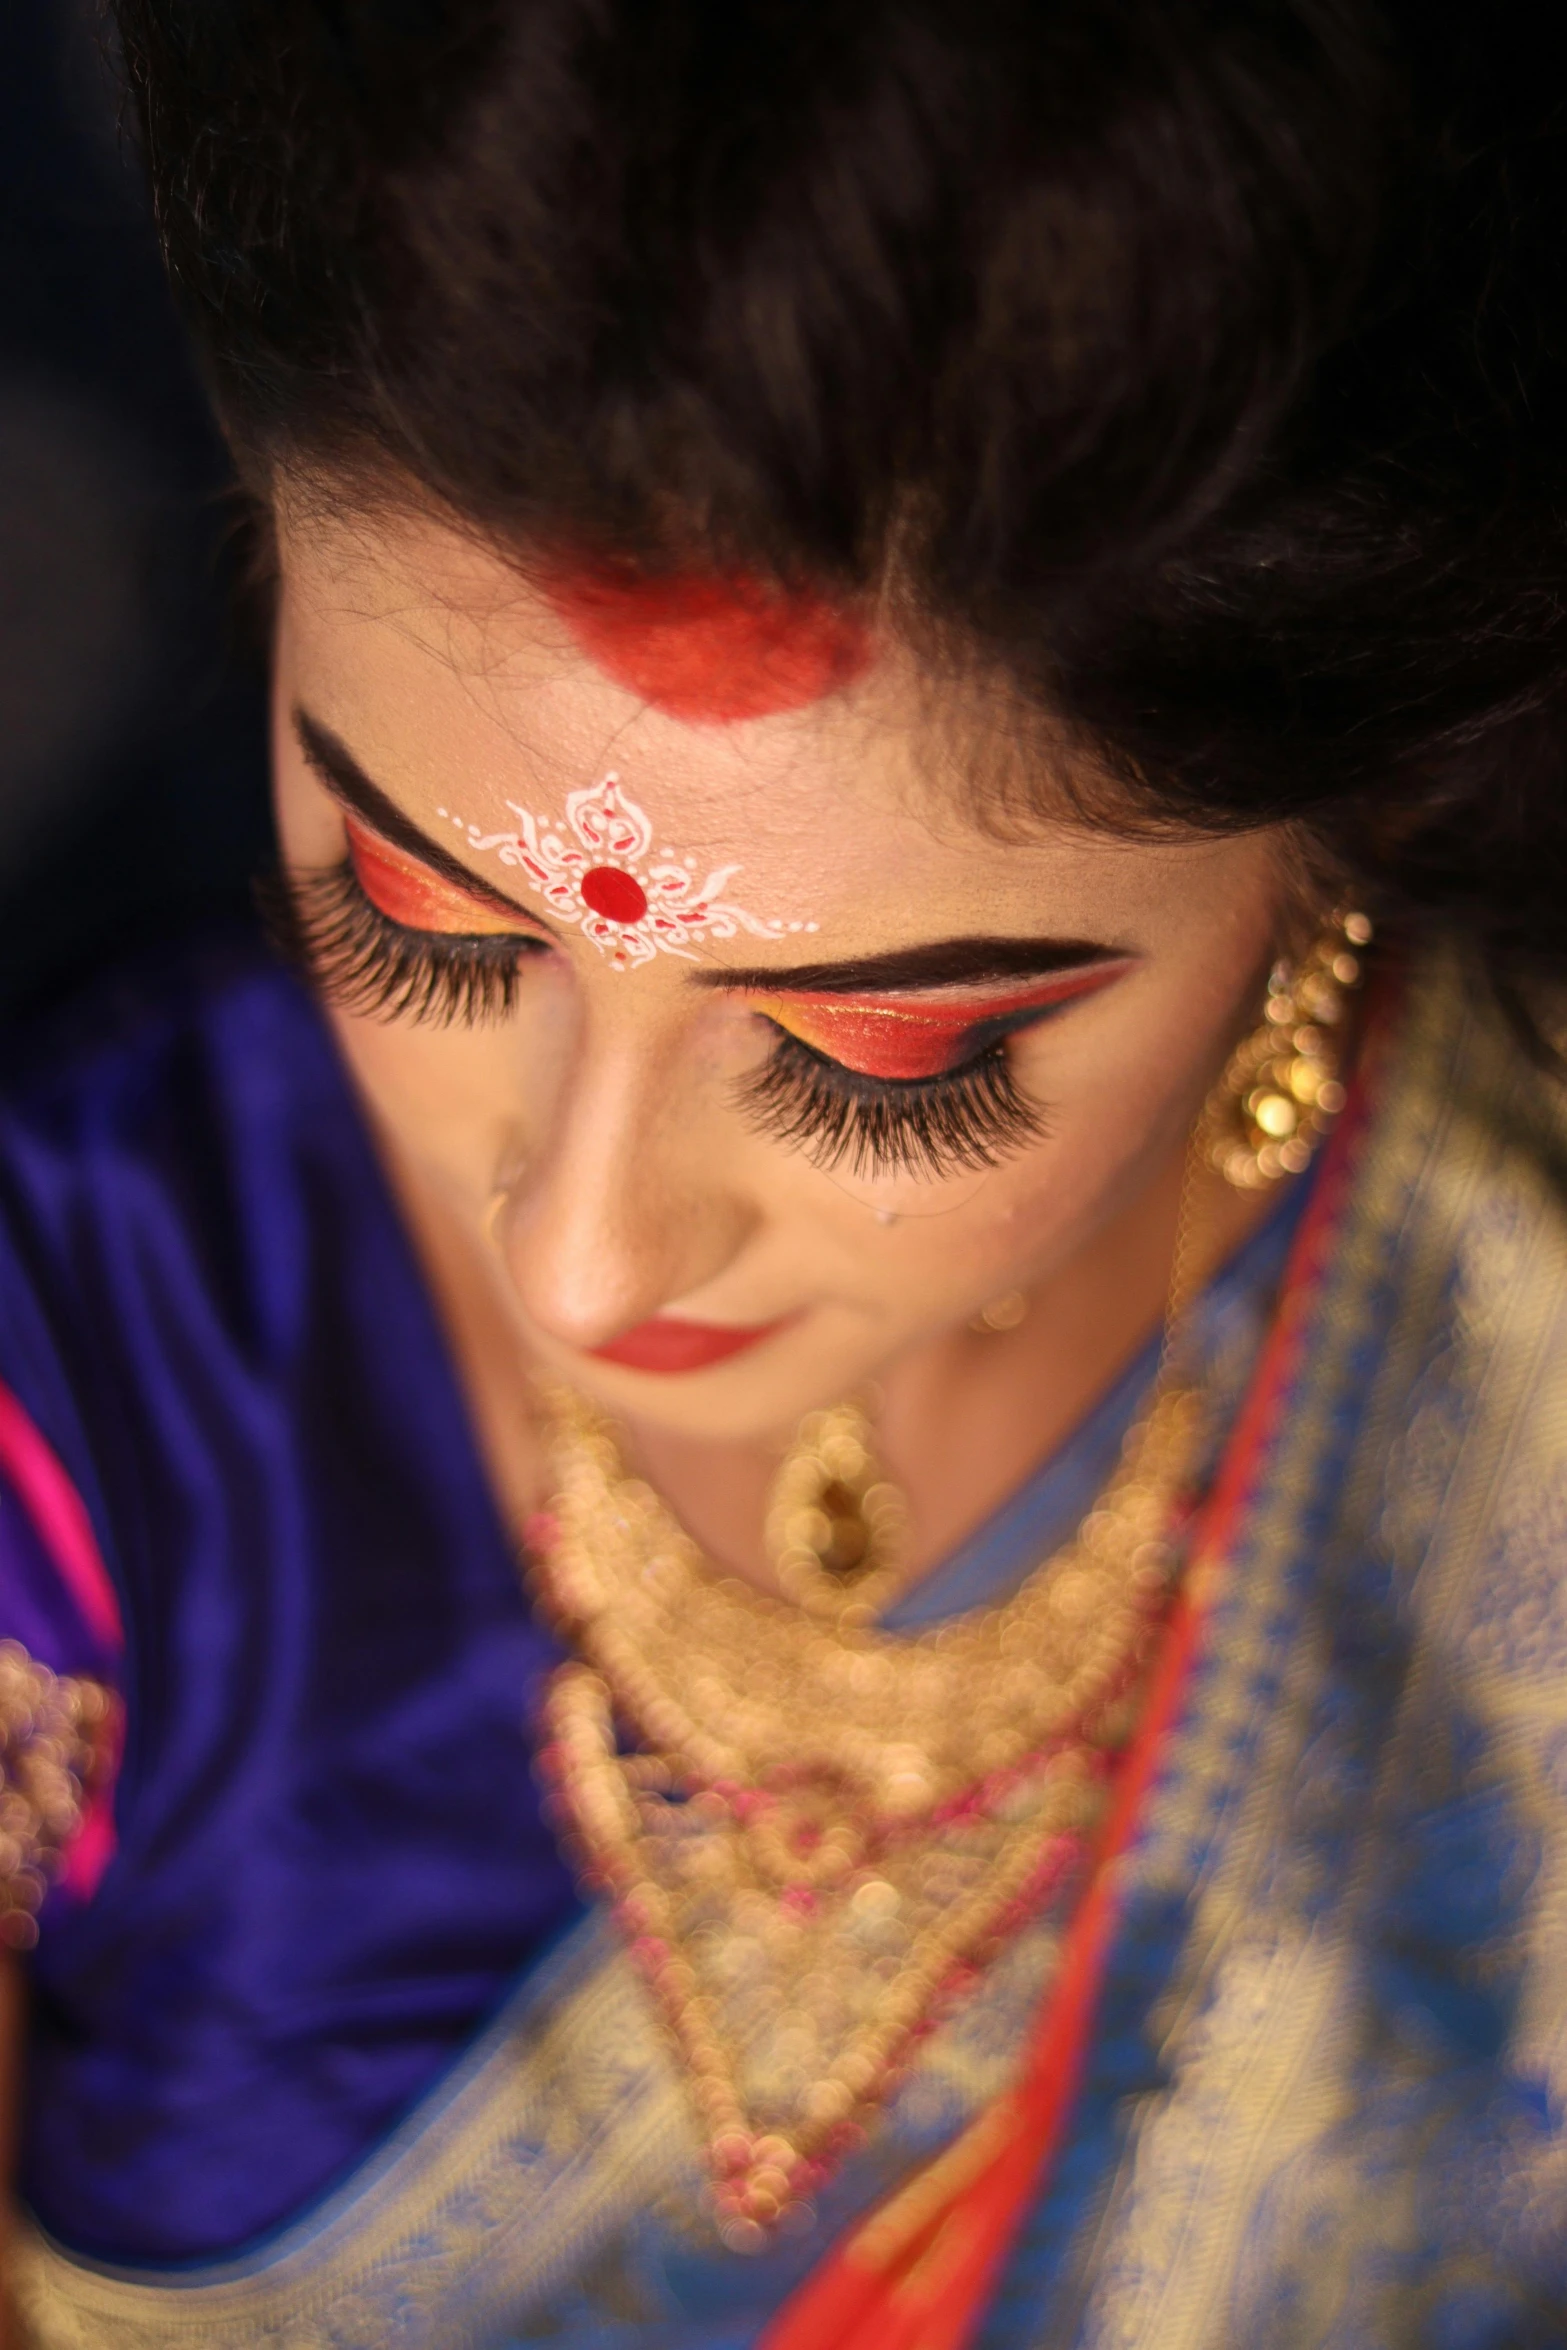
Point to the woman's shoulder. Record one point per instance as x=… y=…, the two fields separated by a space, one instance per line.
x=192 y=1225
x=124 y=1114
x=184 y=1110
x=1459 y=1223
x=159 y=1052
x=205 y=1285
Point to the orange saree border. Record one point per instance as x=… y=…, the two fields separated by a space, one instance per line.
x=917 y=2272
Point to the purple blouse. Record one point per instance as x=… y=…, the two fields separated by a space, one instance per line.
x=330 y=1860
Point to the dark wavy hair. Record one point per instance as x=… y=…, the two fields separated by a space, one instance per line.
x=1194 y=369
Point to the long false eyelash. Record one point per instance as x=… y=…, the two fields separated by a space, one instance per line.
x=364 y=961
x=931 y=1126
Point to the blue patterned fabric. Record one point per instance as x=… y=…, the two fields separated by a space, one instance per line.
x=1326 y=2102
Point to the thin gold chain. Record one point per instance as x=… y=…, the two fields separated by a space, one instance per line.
x=1185 y=1265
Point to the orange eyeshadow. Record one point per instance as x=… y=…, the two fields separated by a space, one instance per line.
x=407 y=892
x=885 y=1037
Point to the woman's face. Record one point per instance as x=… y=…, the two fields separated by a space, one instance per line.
x=798 y=1067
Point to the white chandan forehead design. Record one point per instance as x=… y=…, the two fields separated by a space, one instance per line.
x=595 y=869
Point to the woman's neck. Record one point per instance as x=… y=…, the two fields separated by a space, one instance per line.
x=963 y=1416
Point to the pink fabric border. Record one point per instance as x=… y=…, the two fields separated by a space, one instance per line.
x=60 y=1517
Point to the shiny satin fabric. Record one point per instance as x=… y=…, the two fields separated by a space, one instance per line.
x=331 y=1864
x=1322 y=2105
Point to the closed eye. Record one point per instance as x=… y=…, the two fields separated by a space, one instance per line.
x=366 y=961
x=879 y=1086
x=416 y=898
x=902 y=1038
x=932 y=1127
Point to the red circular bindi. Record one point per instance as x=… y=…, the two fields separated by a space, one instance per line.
x=618 y=896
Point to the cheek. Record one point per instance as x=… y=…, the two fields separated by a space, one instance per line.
x=460 y=1102
x=1120 y=1094
x=434 y=1089
x=1109 y=1087
x=1123 y=1095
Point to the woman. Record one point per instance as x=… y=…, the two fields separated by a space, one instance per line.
x=902 y=1217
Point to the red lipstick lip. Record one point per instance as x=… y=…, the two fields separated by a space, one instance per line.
x=666 y=1344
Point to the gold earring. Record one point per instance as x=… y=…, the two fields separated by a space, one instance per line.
x=1282 y=1087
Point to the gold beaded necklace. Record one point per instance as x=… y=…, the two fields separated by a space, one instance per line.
x=814 y=1831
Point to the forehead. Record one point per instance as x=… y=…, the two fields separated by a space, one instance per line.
x=465 y=691
x=428 y=629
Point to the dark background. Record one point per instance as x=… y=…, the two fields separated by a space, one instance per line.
x=132 y=746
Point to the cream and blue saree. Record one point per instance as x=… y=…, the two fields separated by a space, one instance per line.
x=1321 y=2103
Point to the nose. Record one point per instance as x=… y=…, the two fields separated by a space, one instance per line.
x=623 y=1209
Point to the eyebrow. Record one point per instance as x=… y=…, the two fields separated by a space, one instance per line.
x=335 y=765
x=948 y=962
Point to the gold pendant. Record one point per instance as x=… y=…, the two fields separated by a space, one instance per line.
x=835 y=1531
